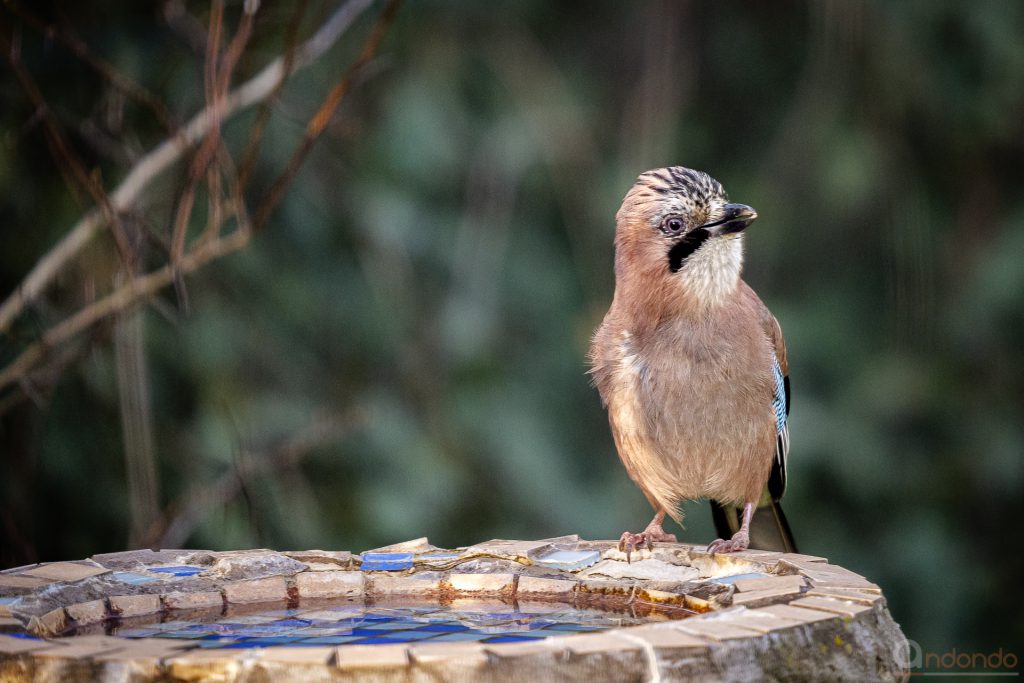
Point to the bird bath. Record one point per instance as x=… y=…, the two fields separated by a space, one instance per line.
x=491 y=611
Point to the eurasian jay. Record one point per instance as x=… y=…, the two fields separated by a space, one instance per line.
x=692 y=366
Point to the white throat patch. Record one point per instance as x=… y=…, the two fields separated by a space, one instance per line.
x=712 y=272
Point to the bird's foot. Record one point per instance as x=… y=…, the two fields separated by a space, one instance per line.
x=630 y=542
x=739 y=541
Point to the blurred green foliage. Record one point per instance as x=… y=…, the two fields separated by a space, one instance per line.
x=441 y=261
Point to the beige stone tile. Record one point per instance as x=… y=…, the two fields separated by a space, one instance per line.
x=257 y=590
x=548 y=647
x=49 y=624
x=539 y=585
x=842 y=607
x=862 y=597
x=13 y=646
x=206 y=665
x=332 y=584
x=664 y=637
x=371 y=656
x=765 y=558
x=88 y=612
x=95 y=639
x=804 y=616
x=839 y=580
x=416 y=545
x=763 y=622
x=322 y=560
x=598 y=642
x=787 y=581
x=65 y=571
x=508 y=548
x=156 y=648
x=77 y=650
x=764 y=597
x=798 y=557
x=483 y=584
x=464 y=653
x=12 y=581
x=300 y=655
x=420 y=583
x=134 y=605
x=197 y=600
x=717 y=629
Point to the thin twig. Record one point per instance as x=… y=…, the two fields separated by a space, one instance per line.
x=319 y=122
x=64 y=156
x=201 y=160
x=108 y=71
x=252 y=146
x=170 y=151
x=129 y=294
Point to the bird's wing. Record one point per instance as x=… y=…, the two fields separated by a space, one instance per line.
x=780 y=400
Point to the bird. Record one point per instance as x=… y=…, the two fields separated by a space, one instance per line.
x=691 y=365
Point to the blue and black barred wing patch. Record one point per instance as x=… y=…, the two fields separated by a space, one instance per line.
x=780 y=404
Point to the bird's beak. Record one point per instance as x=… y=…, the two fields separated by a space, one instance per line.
x=735 y=218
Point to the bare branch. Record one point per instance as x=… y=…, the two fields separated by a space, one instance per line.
x=252 y=146
x=167 y=153
x=127 y=295
x=68 y=39
x=319 y=122
x=64 y=155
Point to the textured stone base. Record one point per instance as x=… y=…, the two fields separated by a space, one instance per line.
x=765 y=616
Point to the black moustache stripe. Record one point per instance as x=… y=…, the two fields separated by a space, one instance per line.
x=686 y=246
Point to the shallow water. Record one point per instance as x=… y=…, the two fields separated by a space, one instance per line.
x=350 y=623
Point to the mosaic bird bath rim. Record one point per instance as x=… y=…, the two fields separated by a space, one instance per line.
x=499 y=610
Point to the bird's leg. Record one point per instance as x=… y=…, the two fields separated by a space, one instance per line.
x=629 y=542
x=740 y=540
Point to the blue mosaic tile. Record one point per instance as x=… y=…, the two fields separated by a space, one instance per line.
x=328 y=640
x=729 y=580
x=444 y=628
x=569 y=560
x=460 y=637
x=379 y=640
x=25 y=636
x=573 y=627
x=183 y=570
x=510 y=639
x=387 y=562
x=408 y=636
x=133 y=578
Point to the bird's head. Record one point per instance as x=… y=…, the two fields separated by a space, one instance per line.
x=677 y=223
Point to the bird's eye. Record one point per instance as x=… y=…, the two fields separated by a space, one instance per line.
x=673 y=225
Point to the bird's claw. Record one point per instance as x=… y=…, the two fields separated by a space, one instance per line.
x=739 y=541
x=629 y=542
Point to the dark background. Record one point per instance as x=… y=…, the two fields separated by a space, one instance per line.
x=401 y=351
